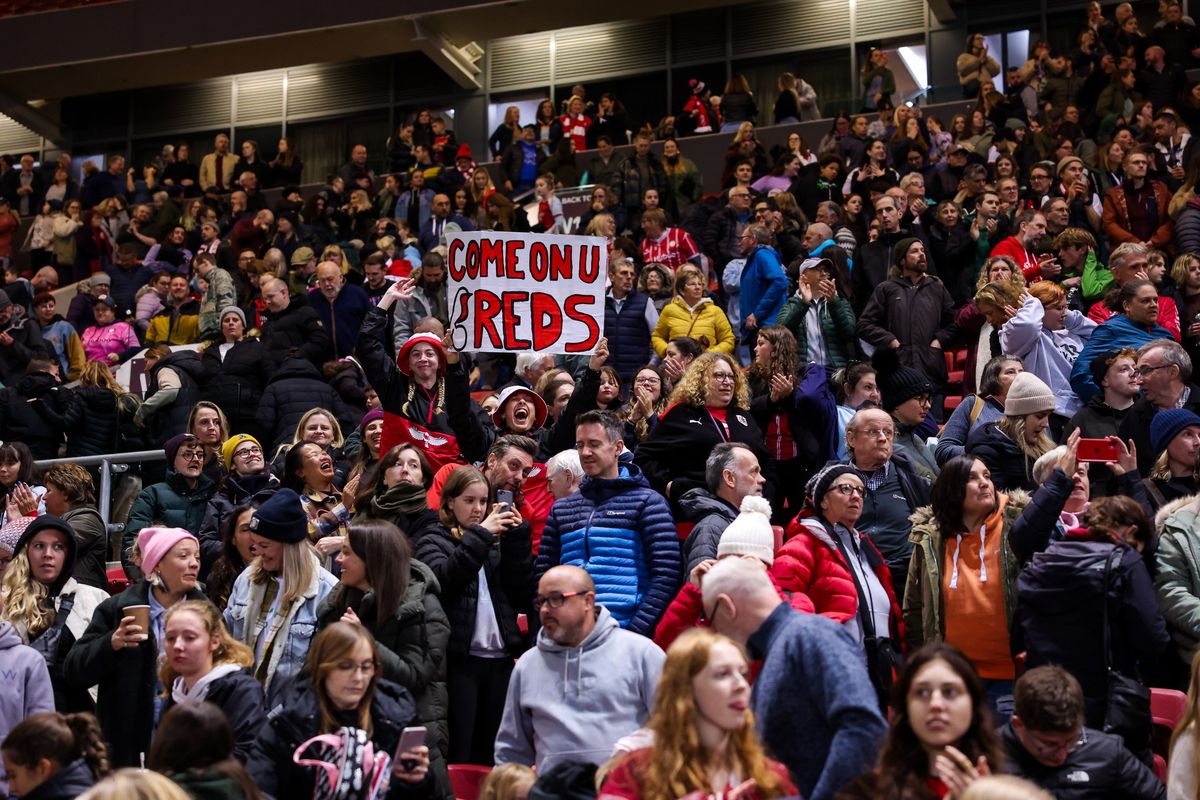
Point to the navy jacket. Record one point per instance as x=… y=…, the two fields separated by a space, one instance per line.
x=620 y=531
x=813 y=671
x=627 y=334
x=343 y=317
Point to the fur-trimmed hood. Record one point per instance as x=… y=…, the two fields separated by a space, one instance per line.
x=1180 y=503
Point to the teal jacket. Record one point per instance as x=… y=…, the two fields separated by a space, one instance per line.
x=838 y=327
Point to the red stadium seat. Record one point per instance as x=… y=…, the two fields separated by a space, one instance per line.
x=1167 y=707
x=1160 y=767
x=465 y=780
x=953 y=401
x=118 y=581
x=682 y=529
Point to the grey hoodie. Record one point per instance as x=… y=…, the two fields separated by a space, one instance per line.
x=24 y=684
x=574 y=703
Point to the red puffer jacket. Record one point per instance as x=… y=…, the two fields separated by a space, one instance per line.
x=808 y=552
x=687 y=611
x=806 y=564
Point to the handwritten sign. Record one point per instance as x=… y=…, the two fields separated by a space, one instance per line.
x=513 y=292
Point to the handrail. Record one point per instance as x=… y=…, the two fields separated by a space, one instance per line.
x=108 y=463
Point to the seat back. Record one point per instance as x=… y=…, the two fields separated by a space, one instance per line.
x=466 y=779
x=1167 y=707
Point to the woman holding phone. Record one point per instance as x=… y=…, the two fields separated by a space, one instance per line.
x=482 y=558
x=341 y=690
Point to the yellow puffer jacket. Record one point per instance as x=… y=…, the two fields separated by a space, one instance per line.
x=706 y=320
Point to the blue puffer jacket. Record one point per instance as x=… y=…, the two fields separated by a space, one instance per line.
x=1116 y=332
x=620 y=531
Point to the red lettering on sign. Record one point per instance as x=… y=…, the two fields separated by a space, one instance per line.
x=456 y=269
x=589 y=268
x=538 y=261
x=512 y=318
x=560 y=262
x=487 y=306
x=547 y=320
x=571 y=307
x=491 y=253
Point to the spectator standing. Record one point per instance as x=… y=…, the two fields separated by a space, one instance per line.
x=975 y=66
x=801 y=653
x=218 y=167
x=763 y=286
x=291 y=323
x=637 y=536
x=1136 y=211
x=480 y=553
x=220 y=294
x=340 y=307
x=629 y=320
x=641 y=170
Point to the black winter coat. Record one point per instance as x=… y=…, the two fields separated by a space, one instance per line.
x=298 y=718
x=232 y=491
x=295 y=389
x=1136 y=425
x=94 y=421
x=91 y=541
x=27 y=342
x=1060 y=614
x=40 y=423
x=126 y=678
x=914 y=315
x=296 y=326
x=1101 y=768
x=1097 y=420
x=236 y=383
x=508 y=564
x=677 y=447
x=171 y=421
x=412 y=648
x=1010 y=467
x=241 y=698
x=68 y=783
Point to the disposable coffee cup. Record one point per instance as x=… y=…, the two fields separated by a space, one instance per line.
x=142 y=615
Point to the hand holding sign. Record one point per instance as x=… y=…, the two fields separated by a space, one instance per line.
x=600 y=356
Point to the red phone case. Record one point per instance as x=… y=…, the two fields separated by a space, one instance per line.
x=1100 y=451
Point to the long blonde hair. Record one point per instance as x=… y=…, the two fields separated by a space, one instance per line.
x=679 y=764
x=230 y=651
x=1014 y=428
x=692 y=389
x=300 y=565
x=1188 y=721
x=25 y=599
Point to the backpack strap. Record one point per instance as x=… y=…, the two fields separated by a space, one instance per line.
x=976 y=410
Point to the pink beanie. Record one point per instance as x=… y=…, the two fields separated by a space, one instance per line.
x=154 y=543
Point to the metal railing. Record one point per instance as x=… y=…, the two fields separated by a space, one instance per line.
x=110 y=464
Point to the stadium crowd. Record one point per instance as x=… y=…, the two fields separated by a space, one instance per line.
x=882 y=482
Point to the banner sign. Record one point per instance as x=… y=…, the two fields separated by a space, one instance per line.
x=514 y=292
x=575 y=203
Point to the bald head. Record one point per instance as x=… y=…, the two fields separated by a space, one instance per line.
x=275 y=294
x=566 y=575
x=329 y=279
x=817 y=233
x=738 y=596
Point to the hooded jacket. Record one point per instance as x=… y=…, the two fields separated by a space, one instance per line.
x=172 y=420
x=914 y=315
x=240 y=696
x=68 y=783
x=764 y=287
x=574 y=703
x=85 y=600
x=1177 y=579
x=1060 y=614
x=233 y=491
x=809 y=562
x=924 y=618
x=1044 y=353
x=24 y=683
x=297 y=718
x=712 y=516
x=620 y=531
x=126 y=678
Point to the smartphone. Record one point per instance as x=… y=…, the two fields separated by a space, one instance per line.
x=1100 y=451
x=504 y=497
x=410 y=738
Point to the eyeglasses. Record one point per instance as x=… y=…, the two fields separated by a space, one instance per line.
x=554 y=599
x=875 y=433
x=192 y=455
x=723 y=377
x=648 y=381
x=1046 y=750
x=248 y=451
x=1146 y=369
x=847 y=489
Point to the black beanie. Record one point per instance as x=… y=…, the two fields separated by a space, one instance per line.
x=281 y=518
x=53 y=523
x=819 y=484
x=897 y=382
x=901 y=248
